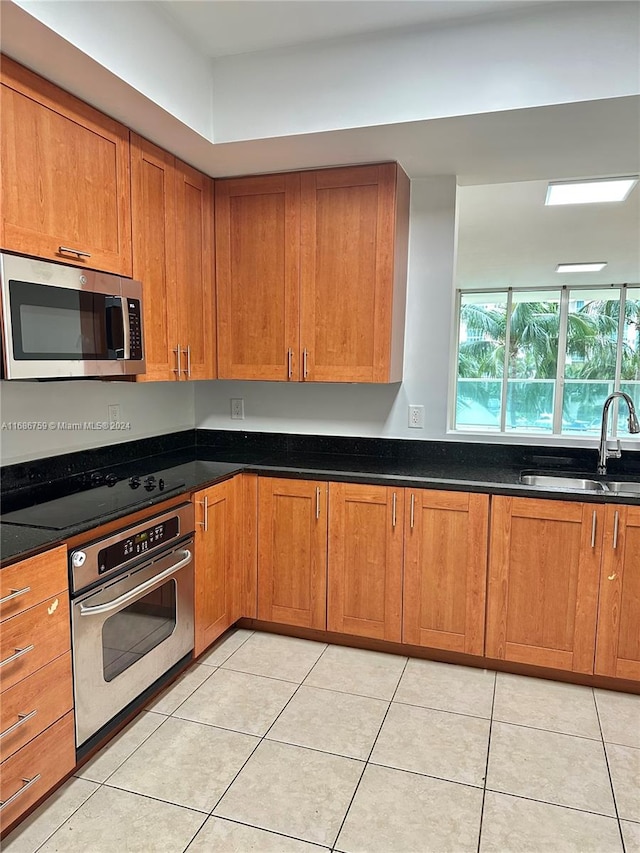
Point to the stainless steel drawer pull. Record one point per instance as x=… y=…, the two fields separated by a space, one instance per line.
x=18 y=654
x=15 y=593
x=77 y=252
x=205 y=522
x=393 y=510
x=593 y=529
x=22 y=718
x=27 y=784
x=178 y=352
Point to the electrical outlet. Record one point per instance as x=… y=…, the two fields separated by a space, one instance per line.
x=416 y=417
x=237 y=409
x=114 y=413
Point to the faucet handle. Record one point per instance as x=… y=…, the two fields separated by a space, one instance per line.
x=616 y=453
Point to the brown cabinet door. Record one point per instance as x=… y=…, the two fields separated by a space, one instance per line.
x=65 y=176
x=348 y=239
x=544 y=567
x=445 y=570
x=153 y=207
x=218 y=548
x=257 y=272
x=292 y=552
x=618 y=640
x=195 y=276
x=365 y=560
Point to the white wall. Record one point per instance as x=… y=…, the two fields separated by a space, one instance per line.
x=151 y=408
x=129 y=39
x=369 y=410
x=545 y=55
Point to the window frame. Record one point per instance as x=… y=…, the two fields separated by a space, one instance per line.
x=559 y=388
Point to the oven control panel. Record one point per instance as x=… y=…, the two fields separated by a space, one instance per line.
x=94 y=561
x=137 y=545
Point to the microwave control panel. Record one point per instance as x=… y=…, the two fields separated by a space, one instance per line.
x=135 y=329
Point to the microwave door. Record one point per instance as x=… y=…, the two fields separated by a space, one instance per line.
x=117 y=340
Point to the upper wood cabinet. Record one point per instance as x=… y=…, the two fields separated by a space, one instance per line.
x=311 y=275
x=257 y=277
x=365 y=560
x=218 y=559
x=445 y=570
x=353 y=265
x=172 y=208
x=65 y=176
x=618 y=639
x=544 y=569
x=292 y=552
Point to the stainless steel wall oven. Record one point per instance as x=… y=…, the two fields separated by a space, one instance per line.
x=131 y=616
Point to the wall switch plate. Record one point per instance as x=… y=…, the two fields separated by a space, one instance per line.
x=114 y=413
x=416 y=417
x=237 y=409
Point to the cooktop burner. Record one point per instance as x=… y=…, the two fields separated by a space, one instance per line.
x=105 y=494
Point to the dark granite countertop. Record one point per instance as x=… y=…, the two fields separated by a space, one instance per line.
x=464 y=468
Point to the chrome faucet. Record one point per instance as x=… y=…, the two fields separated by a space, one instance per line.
x=634 y=427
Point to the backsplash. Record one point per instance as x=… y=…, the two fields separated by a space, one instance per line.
x=41 y=419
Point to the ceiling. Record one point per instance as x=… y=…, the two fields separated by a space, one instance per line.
x=227 y=27
x=507 y=237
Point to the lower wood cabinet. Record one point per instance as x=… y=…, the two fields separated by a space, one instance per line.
x=618 y=638
x=544 y=570
x=365 y=560
x=218 y=552
x=292 y=552
x=445 y=570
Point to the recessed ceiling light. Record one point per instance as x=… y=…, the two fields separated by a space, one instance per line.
x=594 y=266
x=590 y=192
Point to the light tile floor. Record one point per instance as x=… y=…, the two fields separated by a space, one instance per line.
x=273 y=744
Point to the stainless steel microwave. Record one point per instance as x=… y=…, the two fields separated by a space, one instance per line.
x=60 y=321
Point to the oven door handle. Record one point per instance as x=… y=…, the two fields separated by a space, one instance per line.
x=137 y=591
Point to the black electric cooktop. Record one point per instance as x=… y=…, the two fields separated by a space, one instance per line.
x=104 y=495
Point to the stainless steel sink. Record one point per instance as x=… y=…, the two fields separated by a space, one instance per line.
x=560 y=481
x=622 y=488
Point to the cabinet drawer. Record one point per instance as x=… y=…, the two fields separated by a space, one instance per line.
x=39 y=700
x=36 y=768
x=27 y=583
x=45 y=627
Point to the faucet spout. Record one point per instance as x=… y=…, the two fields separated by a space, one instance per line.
x=634 y=427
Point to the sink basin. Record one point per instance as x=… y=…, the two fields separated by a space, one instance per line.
x=559 y=481
x=620 y=487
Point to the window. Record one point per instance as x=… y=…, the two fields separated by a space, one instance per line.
x=544 y=361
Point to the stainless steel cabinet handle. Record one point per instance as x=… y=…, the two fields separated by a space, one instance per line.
x=304 y=363
x=289 y=363
x=205 y=523
x=594 y=522
x=317 y=501
x=413 y=507
x=18 y=654
x=188 y=371
x=14 y=797
x=77 y=252
x=393 y=509
x=616 y=524
x=15 y=593
x=178 y=353
x=22 y=719
x=117 y=603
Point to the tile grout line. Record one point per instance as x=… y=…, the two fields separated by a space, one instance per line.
x=261 y=739
x=606 y=760
x=486 y=768
x=368 y=758
x=51 y=834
